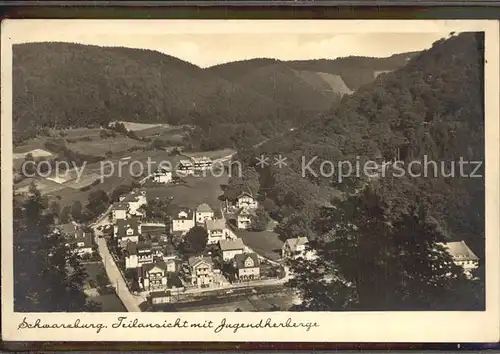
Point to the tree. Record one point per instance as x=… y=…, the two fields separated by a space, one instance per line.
x=119 y=191
x=375 y=258
x=260 y=220
x=269 y=206
x=48 y=275
x=97 y=202
x=77 y=210
x=28 y=165
x=120 y=128
x=64 y=217
x=55 y=208
x=195 y=241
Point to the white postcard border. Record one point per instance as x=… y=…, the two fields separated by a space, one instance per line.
x=335 y=327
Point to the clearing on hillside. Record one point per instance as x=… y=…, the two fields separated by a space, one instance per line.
x=100 y=147
x=131 y=126
x=43 y=185
x=35 y=153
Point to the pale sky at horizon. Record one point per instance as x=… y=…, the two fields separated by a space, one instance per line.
x=207 y=49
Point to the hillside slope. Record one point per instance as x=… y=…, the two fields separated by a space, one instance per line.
x=292 y=88
x=64 y=84
x=430 y=109
x=354 y=71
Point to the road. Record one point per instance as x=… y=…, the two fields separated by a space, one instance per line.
x=131 y=302
x=250 y=284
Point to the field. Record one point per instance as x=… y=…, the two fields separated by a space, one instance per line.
x=215 y=154
x=131 y=126
x=67 y=195
x=244 y=303
x=28 y=145
x=84 y=181
x=78 y=133
x=35 y=153
x=171 y=135
x=265 y=243
x=100 y=147
x=109 y=302
x=195 y=191
x=43 y=185
x=113 y=176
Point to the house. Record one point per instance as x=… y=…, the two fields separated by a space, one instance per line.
x=138 y=254
x=230 y=248
x=202 y=273
x=182 y=220
x=201 y=163
x=160 y=297
x=120 y=211
x=162 y=175
x=462 y=256
x=135 y=200
x=185 y=167
x=153 y=276
x=295 y=248
x=153 y=229
x=247 y=266
x=216 y=230
x=244 y=218
x=80 y=241
x=127 y=230
x=246 y=200
x=204 y=212
x=172 y=265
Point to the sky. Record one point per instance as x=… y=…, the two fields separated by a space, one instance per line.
x=207 y=49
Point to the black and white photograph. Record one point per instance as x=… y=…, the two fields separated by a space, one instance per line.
x=215 y=167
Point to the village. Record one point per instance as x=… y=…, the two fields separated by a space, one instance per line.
x=192 y=254
x=149 y=261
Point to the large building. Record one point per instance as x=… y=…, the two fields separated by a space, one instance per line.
x=216 y=230
x=182 y=220
x=137 y=254
x=119 y=211
x=230 y=248
x=135 y=200
x=203 y=213
x=81 y=242
x=202 y=163
x=247 y=266
x=153 y=276
x=162 y=175
x=202 y=273
x=296 y=247
x=185 y=168
x=127 y=230
x=244 y=218
x=462 y=256
x=246 y=200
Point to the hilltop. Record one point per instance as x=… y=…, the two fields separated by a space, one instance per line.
x=430 y=109
x=61 y=85
x=58 y=85
x=354 y=71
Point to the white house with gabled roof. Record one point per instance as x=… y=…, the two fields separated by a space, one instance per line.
x=203 y=213
x=246 y=200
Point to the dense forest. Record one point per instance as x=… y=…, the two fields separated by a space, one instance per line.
x=60 y=85
x=429 y=110
x=354 y=71
x=48 y=277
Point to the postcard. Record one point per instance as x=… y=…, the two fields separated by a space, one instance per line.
x=248 y=180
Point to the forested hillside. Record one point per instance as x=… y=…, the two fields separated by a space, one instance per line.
x=63 y=84
x=430 y=110
x=58 y=85
x=354 y=71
